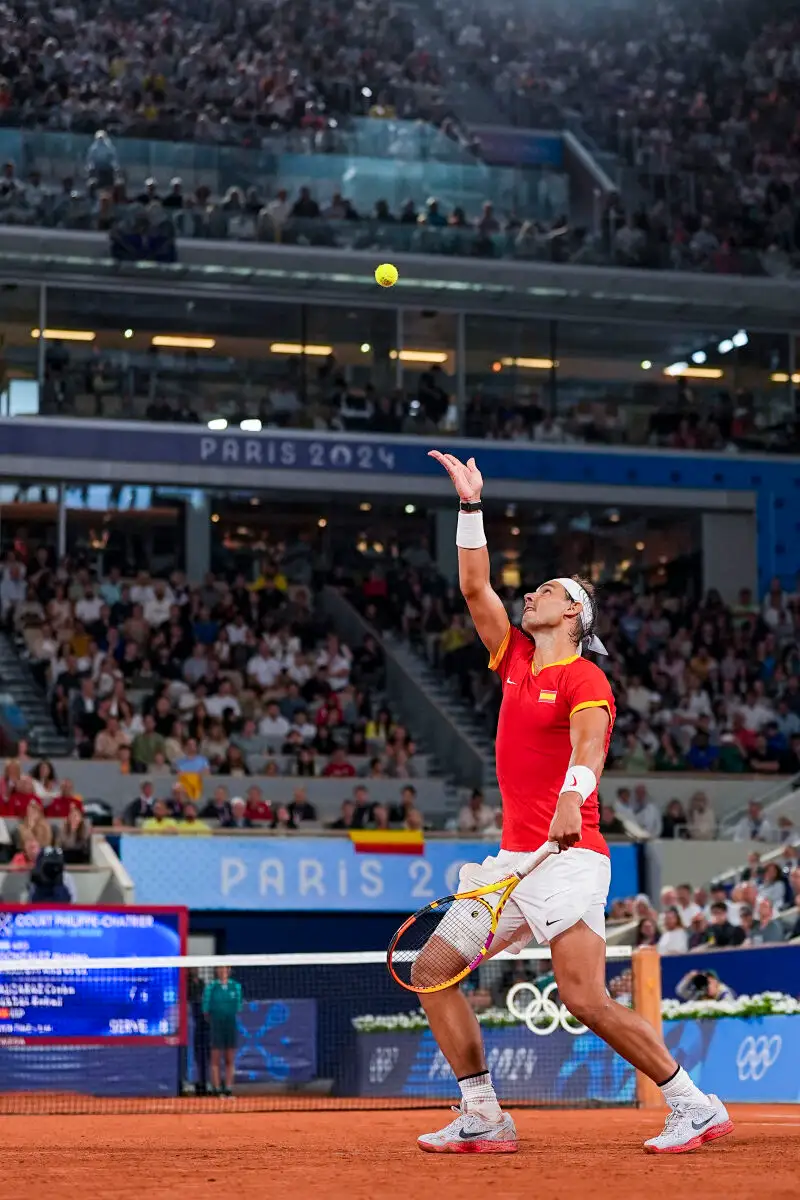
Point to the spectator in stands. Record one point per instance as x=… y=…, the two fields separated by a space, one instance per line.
x=45 y=781
x=346 y=819
x=773 y=886
x=687 y=908
x=610 y=824
x=25 y=858
x=698 y=931
x=702 y=822
x=301 y=809
x=337 y=766
x=190 y=822
x=257 y=808
x=754 y=827
x=673 y=939
x=475 y=816
x=142 y=807
x=770 y=928
x=75 y=837
x=238 y=818
x=647 y=933
x=721 y=932
x=674 y=822
x=362 y=815
x=160 y=821
x=642 y=812
x=49 y=883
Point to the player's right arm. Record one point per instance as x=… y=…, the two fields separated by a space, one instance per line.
x=474 y=575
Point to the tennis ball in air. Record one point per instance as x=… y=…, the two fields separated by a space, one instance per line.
x=386 y=275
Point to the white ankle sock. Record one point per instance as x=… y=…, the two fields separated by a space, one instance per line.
x=478 y=1095
x=680 y=1087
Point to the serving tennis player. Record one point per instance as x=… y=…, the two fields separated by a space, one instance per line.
x=555 y=726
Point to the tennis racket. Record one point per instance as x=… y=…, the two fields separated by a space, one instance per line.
x=444 y=941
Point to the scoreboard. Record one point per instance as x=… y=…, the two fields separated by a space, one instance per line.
x=63 y=999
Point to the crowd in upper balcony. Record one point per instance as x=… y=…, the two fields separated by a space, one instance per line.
x=205 y=70
x=696 y=97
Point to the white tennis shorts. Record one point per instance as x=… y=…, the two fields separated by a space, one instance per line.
x=567 y=888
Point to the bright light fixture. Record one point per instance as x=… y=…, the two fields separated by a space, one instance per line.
x=419 y=356
x=365 y=347
x=410 y=508
x=128 y=333
x=725 y=346
x=646 y=364
x=299 y=348
x=740 y=338
x=250 y=425
x=65 y=335
x=218 y=423
x=530 y=364
x=699 y=357
x=170 y=342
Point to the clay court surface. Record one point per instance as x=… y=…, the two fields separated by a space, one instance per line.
x=372 y=1156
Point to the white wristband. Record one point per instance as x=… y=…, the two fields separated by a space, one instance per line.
x=469 y=531
x=581 y=780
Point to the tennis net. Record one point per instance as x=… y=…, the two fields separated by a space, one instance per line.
x=293 y=1030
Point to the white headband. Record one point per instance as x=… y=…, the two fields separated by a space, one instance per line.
x=580 y=596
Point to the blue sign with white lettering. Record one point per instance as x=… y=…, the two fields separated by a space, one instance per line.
x=744 y=1059
x=310 y=874
x=71 y=1003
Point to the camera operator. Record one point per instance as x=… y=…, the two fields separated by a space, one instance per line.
x=703 y=985
x=49 y=883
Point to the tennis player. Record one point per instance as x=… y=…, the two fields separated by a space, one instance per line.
x=552 y=740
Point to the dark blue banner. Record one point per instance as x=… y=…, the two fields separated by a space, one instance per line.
x=520 y=147
x=559 y=1068
x=741 y=1059
x=73 y=1003
x=748 y=970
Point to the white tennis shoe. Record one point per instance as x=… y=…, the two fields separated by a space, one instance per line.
x=689 y=1126
x=470 y=1133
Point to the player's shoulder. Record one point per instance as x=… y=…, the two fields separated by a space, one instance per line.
x=583 y=668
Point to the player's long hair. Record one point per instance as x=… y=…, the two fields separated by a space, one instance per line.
x=581 y=634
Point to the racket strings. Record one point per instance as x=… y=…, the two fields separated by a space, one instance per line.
x=440 y=943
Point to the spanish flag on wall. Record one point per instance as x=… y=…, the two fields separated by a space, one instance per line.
x=388 y=841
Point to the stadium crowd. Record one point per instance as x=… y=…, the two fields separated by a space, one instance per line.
x=207 y=72
x=741 y=911
x=180 y=683
x=695 y=98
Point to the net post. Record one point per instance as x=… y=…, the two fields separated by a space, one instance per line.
x=647 y=1003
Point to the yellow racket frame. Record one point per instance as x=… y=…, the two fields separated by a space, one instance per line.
x=504 y=887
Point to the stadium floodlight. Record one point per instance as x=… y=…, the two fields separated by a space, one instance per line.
x=250 y=425
x=725 y=346
x=740 y=338
x=699 y=357
x=218 y=424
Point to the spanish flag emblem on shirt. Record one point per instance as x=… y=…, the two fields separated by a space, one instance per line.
x=388 y=841
x=547 y=697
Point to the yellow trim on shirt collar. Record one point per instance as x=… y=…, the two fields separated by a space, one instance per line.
x=562 y=662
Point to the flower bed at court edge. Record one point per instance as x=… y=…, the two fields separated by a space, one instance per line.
x=763 y=1004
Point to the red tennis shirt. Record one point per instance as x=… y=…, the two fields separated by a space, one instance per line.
x=533 y=745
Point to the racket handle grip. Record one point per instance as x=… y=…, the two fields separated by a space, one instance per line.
x=535 y=859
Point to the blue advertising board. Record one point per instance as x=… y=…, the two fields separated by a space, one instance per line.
x=73 y=1004
x=742 y=1059
x=559 y=1068
x=754 y=968
x=310 y=874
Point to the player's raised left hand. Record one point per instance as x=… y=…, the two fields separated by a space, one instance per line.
x=565 y=827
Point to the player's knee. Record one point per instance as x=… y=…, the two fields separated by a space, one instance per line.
x=587 y=1005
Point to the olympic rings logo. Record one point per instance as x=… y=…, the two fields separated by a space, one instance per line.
x=541 y=1013
x=755 y=1056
